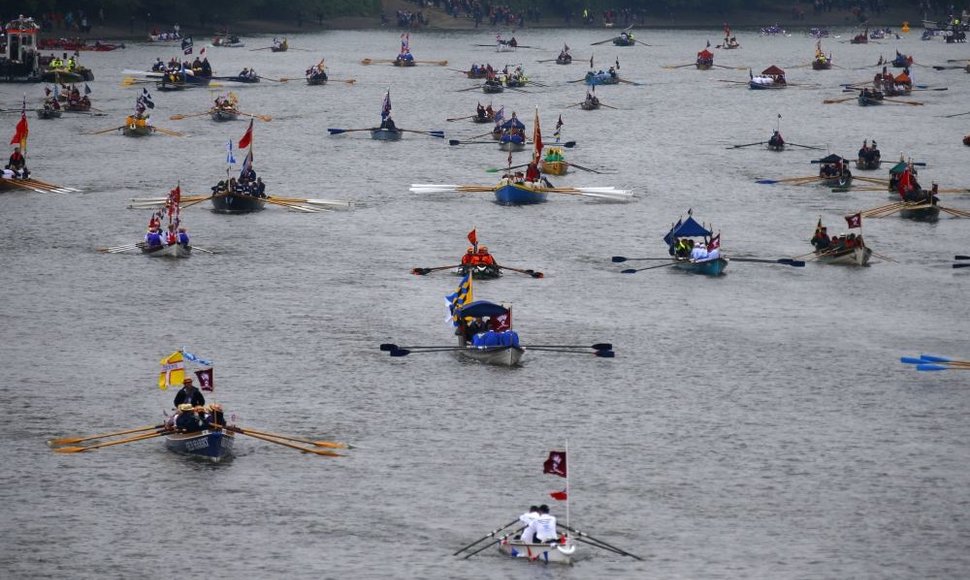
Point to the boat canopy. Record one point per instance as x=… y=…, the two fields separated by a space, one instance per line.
x=832 y=158
x=773 y=71
x=899 y=167
x=514 y=122
x=705 y=54
x=686 y=229
x=481 y=308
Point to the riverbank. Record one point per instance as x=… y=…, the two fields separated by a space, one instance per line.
x=438 y=20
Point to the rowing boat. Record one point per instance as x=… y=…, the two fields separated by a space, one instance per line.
x=166 y=251
x=553 y=163
x=500 y=348
x=869 y=98
x=770 y=78
x=214 y=445
x=224 y=114
x=511 y=142
x=49 y=113
x=237 y=202
x=480 y=271
x=601 y=78
x=834 y=171
x=920 y=211
x=137 y=127
x=705 y=60
x=709 y=262
x=382 y=134
x=511 y=192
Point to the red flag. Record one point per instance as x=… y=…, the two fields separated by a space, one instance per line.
x=176 y=194
x=502 y=322
x=854 y=221
x=202 y=52
x=205 y=380
x=905 y=182
x=247 y=139
x=556 y=464
x=20 y=133
x=715 y=243
x=473 y=237
x=537 y=138
x=559 y=495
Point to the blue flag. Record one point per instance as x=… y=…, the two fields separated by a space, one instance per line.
x=230 y=159
x=192 y=358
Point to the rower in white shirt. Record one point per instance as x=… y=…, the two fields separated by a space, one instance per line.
x=542 y=529
x=699 y=253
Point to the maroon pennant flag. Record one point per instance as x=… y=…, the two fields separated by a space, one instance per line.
x=556 y=464
x=205 y=380
x=854 y=221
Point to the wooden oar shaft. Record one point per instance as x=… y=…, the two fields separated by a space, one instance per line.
x=72 y=440
x=284 y=443
x=330 y=444
x=109 y=443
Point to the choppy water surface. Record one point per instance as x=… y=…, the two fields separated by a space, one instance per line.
x=756 y=426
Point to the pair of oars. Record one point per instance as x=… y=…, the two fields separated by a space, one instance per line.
x=601 y=349
x=670 y=262
x=929 y=362
x=426 y=271
x=438 y=134
x=264 y=118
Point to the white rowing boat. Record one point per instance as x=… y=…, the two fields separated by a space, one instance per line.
x=554 y=553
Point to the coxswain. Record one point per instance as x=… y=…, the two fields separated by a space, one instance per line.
x=214 y=417
x=183 y=238
x=469 y=256
x=532 y=171
x=18 y=164
x=196 y=64
x=189 y=394
x=513 y=43
x=776 y=139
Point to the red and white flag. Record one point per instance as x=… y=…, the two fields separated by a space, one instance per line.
x=854 y=220
x=206 y=382
x=502 y=322
x=715 y=243
x=559 y=495
x=556 y=464
x=247 y=139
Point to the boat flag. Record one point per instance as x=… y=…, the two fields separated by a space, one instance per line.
x=247 y=138
x=247 y=164
x=559 y=495
x=854 y=220
x=187 y=45
x=206 y=382
x=405 y=42
x=196 y=359
x=173 y=371
x=230 y=159
x=558 y=132
x=537 y=138
x=591 y=62
x=617 y=63
x=556 y=464
x=202 y=52
x=499 y=115
x=715 y=243
x=502 y=322
x=461 y=296
x=20 y=133
x=473 y=238
x=146 y=99
x=386 y=105
x=87 y=89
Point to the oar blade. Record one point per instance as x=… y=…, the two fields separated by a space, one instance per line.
x=628 y=271
x=931 y=367
x=618 y=259
x=935 y=358
x=69 y=449
x=388 y=346
x=602 y=346
x=400 y=352
x=911 y=360
x=605 y=354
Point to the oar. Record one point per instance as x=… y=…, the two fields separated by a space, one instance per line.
x=189 y=116
x=339 y=131
x=271 y=80
x=672 y=66
x=119 y=250
x=377 y=61
x=454 y=142
x=961 y=265
x=110 y=443
x=487 y=536
x=599 y=353
x=405 y=352
x=532 y=273
x=598 y=541
x=618 y=259
x=203 y=250
x=70 y=440
x=493 y=542
x=348 y=81
x=600 y=546
x=169 y=132
x=295 y=206
x=103 y=131
x=596 y=346
x=957 y=115
x=806 y=146
x=390 y=347
x=913 y=103
x=425 y=271
x=834 y=101
x=961 y=257
x=634 y=271
x=788 y=180
x=577 y=166
x=435 y=62
x=264 y=118
x=438 y=134
x=461 y=118
x=329 y=444
x=497 y=169
x=261 y=48
x=785 y=261
x=283 y=443
x=747 y=145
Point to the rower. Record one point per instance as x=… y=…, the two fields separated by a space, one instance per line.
x=153 y=238
x=188 y=420
x=183 y=238
x=18 y=164
x=388 y=124
x=485 y=258
x=171 y=236
x=542 y=529
x=530 y=516
x=466 y=260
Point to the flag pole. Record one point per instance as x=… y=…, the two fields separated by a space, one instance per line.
x=568 y=469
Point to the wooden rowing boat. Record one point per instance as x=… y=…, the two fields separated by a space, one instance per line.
x=224 y=114
x=381 y=134
x=869 y=98
x=590 y=104
x=49 y=113
x=480 y=271
x=921 y=211
x=554 y=553
x=770 y=78
x=511 y=142
x=707 y=263
x=510 y=192
x=137 y=127
x=212 y=445
x=166 y=251
x=601 y=78
x=236 y=202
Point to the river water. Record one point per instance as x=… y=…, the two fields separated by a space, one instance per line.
x=758 y=425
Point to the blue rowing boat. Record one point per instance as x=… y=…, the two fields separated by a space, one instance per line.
x=707 y=262
x=601 y=78
x=214 y=445
x=511 y=193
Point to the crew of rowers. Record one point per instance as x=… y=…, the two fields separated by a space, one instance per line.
x=280 y=45
x=540 y=526
x=481 y=257
x=611 y=72
x=731 y=42
x=564 y=55
x=686 y=249
x=248 y=73
x=247 y=184
x=705 y=58
x=819 y=55
x=226 y=102
x=405 y=57
x=194 y=418
x=16 y=166
x=893 y=85
x=316 y=72
x=155 y=238
x=869 y=154
x=836 y=169
x=484 y=114
x=776 y=140
x=480 y=70
x=824 y=244
x=173 y=70
x=514 y=78
x=592 y=100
